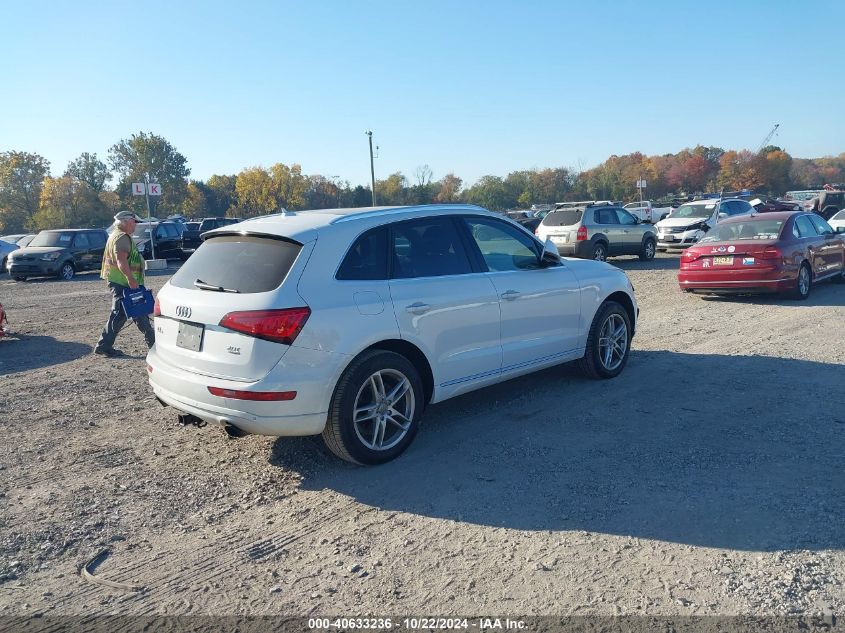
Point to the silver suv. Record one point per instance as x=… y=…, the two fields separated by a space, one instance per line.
x=598 y=232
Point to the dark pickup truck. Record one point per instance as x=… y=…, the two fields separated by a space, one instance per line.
x=191 y=235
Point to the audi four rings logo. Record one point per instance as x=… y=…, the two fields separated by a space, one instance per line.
x=183 y=312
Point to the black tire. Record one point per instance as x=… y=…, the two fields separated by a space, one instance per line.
x=341 y=434
x=66 y=271
x=600 y=252
x=803 y=283
x=592 y=363
x=649 y=249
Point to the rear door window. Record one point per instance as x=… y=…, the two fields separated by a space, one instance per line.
x=606 y=216
x=97 y=239
x=430 y=247
x=805 y=227
x=81 y=241
x=367 y=259
x=248 y=264
x=171 y=231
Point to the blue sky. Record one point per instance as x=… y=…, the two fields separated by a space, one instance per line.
x=468 y=87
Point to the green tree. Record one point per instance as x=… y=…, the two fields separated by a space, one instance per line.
x=392 y=191
x=489 y=192
x=223 y=194
x=67 y=202
x=449 y=189
x=90 y=170
x=148 y=153
x=196 y=202
x=21 y=178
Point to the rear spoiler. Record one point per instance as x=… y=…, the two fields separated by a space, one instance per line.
x=267 y=236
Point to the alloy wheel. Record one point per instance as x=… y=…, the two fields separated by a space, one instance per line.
x=384 y=409
x=67 y=272
x=599 y=253
x=804 y=281
x=613 y=342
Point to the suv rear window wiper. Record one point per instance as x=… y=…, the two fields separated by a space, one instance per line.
x=199 y=283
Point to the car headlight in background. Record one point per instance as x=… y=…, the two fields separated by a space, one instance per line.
x=49 y=257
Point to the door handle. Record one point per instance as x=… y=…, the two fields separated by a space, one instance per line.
x=510 y=295
x=418 y=308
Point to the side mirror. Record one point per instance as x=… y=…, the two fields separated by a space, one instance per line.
x=722 y=215
x=550 y=255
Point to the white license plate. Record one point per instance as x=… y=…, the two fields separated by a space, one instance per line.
x=668 y=238
x=189 y=336
x=723 y=261
x=560 y=239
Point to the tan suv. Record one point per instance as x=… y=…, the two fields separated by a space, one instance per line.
x=598 y=232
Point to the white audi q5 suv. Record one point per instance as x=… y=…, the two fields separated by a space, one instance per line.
x=348 y=322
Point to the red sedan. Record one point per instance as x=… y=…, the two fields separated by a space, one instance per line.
x=772 y=252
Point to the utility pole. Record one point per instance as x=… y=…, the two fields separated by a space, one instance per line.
x=372 y=168
x=149 y=215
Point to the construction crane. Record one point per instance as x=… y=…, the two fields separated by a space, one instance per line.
x=768 y=137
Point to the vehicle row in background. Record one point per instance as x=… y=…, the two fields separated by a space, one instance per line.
x=60 y=253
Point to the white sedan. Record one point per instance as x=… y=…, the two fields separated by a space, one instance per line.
x=348 y=322
x=837 y=221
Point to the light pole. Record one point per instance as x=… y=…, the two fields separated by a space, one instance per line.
x=369 y=133
x=149 y=216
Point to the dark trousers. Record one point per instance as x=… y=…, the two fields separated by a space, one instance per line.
x=117 y=319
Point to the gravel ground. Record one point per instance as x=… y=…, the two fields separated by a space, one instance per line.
x=706 y=479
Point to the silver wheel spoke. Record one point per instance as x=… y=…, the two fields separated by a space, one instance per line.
x=378 y=386
x=365 y=413
x=402 y=425
x=376 y=429
x=398 y=392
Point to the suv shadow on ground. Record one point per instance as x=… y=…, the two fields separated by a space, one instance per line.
x=723 y=455
x=22 y=352
x=660 y=262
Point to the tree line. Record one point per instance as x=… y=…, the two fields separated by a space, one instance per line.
x=83 y=196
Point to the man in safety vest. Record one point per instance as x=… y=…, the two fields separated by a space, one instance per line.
x=123 y=268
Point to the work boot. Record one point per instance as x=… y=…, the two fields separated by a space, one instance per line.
x=109 y=352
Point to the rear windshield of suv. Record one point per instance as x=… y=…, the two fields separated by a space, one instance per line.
x=563 y=217
x=246 y=264
x=52 y=238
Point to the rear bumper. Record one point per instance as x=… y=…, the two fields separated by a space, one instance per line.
x=582 y=249
x=736 y=281
x=311 y=373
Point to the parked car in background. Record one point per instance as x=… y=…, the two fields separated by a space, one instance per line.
x=168 y=239
x=5 y=249
x=12 y=239
x=598 y=232
x=348 y=322
x=533 y=222
x=775 y=205
x=827 y=203
x=772 y=252
x=62 y=253
x=646 y=212
x=837 y=222
x=191 y=236
x=691 y=221
x=24 y=241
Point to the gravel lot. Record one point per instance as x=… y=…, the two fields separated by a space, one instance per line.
x=706 y=479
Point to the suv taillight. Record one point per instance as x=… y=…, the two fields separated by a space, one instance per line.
x=582 y=233
x=157 y=308
x=279 y=326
